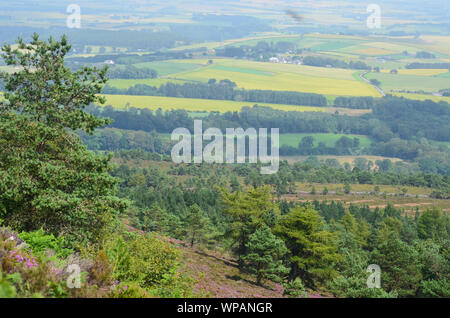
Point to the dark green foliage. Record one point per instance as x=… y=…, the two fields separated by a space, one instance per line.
x=132 y=72
x=312 y=248
x=48 y=178
x=245 y=212
x=433 y=225
x=399 y=263
x=195 y=224
x=330 y=62
x=263 y=255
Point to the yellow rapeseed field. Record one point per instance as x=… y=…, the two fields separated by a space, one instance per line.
x=192 y=104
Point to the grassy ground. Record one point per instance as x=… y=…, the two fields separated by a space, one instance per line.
x=410 y=82
x=419 y=72
x=409 y=204
x=389 y=189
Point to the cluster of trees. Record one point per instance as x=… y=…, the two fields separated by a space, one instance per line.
x=343 y=146
x=407 y=117
x=445 y=92
x=128 y=58
x=222 y=90
x=132 y=72
x=110 y=139
x=325 y=61
x=261 y=49
x=425 y=55
x=428 y=65
x=381 y=172
x=355 y=102
x=391 y=117
x=399 y=127
x=323 y=244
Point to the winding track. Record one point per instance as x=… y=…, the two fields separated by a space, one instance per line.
x=367 y=81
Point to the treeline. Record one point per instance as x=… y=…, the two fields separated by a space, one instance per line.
x=132 y=72
x=399 y=128
x=311 y=170
x=129 y=58
x=357 y=102
x=408 y=118
x=425 y=55
x=111 y=139
x=391 y=117
x=222 y=90
x=428 y=65
x=256 y=117
x=262 y=48
x=325 y=61
x=343 y=146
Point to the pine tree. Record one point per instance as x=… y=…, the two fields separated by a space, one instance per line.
x=195 y=224
x=263 y=255
x=313 y=250
x=399 y=263
x=245 y=211
x=433 y=225
x=48 y=178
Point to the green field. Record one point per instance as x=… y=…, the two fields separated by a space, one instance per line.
x=192 y=104
x=328 y=139
x=382 y=51
x=410 y=82
x=285 y=77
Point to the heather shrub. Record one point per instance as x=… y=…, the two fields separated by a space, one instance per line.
x=129 y=290
x=102 y=269
x=25 y=274
x=148 y=262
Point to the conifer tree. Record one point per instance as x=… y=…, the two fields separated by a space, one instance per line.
x=264 y=253
x=313 y=250
x=48 y=178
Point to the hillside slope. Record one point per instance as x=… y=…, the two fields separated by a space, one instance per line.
x=218 y=276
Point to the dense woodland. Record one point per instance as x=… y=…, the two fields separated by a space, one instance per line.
x=400 y=131
x=212 y=207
